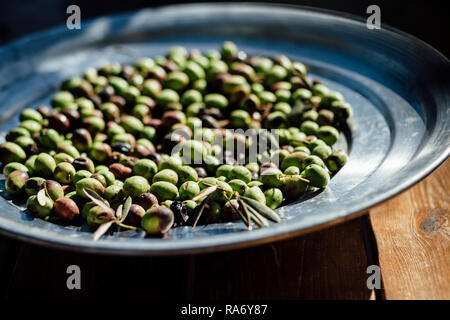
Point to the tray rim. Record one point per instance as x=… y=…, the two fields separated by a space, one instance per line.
x=101 y=248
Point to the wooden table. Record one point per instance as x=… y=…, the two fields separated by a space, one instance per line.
x=407 y=236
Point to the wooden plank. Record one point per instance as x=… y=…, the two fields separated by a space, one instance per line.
x=328 y=264
x=9 y=250
x=42 y=273
x=412 y=232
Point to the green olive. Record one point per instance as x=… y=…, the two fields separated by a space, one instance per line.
x=134 y=186
x=12 y=166
x=37 y=209
x=44 y=165
x=188 y=190
x=317 y=176
x=88 y=183
x=256 y=194
x=166 y=175
x=15 y=182
x=274 y=197
x=11 y=152
x=157 y=220
x=64 y=172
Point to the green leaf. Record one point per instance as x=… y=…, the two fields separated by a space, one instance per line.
x=101 y=230
x=204 y=193
x=91 y=194
x=126 y=209
x=257 y=218
x=262 y=209
x=200 y=211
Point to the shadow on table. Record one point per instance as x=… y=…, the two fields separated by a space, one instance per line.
x=327 y=264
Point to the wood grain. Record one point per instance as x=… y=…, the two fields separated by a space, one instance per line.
x=329 y=264
x=412 y=233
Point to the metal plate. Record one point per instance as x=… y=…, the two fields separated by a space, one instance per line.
x=398 y=86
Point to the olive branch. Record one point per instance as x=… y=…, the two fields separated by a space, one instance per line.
x=120 y=214
x=249 y=209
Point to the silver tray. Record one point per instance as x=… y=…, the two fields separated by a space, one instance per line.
x=397 y=84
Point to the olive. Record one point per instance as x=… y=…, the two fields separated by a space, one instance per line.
x=15 y=182
x=225 y=170
x=164 y=190
x=11 y=152
x=188 y=190
x=134 y=186
x=33 y=185
x=80 y=175
x=317 y=176
x=66 y=209
x=44 y=165
x=100 y=152
x=113 y=193
x=134 y=216
x=120 y=171
x=157 y=220
x=83 y=163
x=336 y=160
x=12 y=166
x=64 y=172
x=187 y=173
x=166 y=175
x=88 y=183
x=272 y=177
x=69 y=149
x=82 y=139
x=54 y=189
x=313 y=160
x=294 y=159
x=328 y=134
x=98 y=215
x=145 y=168
x=241 y=173
x=230 y=210
x=294 y=187
x=59 y=121
x=40 y=210
x=291 y=171
x=323 y=152
x=211 y=212
x=17 y=132
x=146 y=200
x=256 y=194
x=121 y=147
x=238 y=186
x=30 y=114
x=274 y=197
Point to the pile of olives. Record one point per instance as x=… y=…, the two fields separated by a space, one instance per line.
x=113 y=131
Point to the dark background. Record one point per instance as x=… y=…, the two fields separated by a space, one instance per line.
x=427 y=20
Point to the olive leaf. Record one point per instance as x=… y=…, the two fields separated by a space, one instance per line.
x=247 y=219
x=205 y=193
x=259 y=219
x=41 y=197
x=120 y=224
x=261 y=209
x=200 y=211
x=126 y=209
x=91 y=194
x=101 y=230
x=119 y=211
